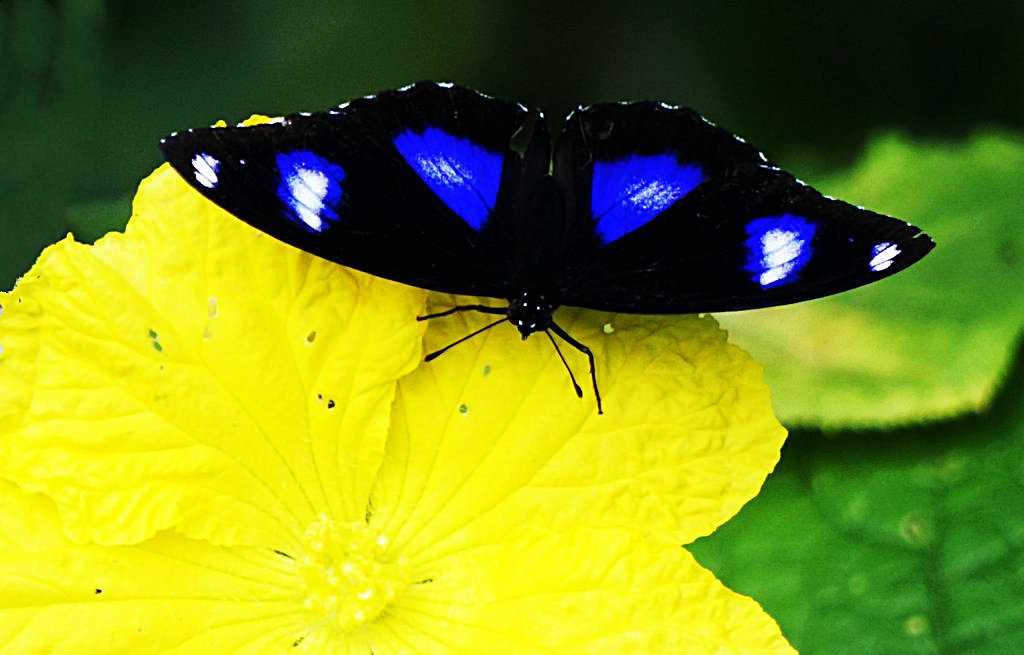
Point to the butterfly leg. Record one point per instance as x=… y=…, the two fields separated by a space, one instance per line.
x=579 y=391
x=583 y=349
x=483 y=309
x=437 y=353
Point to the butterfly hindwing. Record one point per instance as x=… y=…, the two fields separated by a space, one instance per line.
x=398 y=185
x=694 y=219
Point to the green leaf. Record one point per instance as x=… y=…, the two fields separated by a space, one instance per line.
x=934 y=340
x=890 y=542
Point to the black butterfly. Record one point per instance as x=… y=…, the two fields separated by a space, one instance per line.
x=642 y=208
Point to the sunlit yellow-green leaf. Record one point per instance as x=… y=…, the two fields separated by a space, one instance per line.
x=933 y=340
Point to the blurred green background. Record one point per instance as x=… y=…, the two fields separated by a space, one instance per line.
x=895 y=522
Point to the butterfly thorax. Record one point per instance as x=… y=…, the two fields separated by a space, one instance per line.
x=531 y=312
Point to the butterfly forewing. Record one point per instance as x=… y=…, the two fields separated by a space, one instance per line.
x=627 y=163
x=399 y=185
x=649 y=208
x=693 y=219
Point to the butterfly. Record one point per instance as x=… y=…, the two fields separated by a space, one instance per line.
x=639 y=207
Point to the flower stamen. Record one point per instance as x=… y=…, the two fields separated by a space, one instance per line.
x=347 y=572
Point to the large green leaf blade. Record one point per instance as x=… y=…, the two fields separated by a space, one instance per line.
x=898 y=542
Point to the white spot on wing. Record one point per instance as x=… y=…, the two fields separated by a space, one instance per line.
x=780 y=250
x=206 y=166
x=780 y=247
x=882 y=256
x=308 y=188
x=653 y=195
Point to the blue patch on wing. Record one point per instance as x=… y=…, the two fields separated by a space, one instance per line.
x=310 y=188
x=463 y=175
x=778 y=248
x=627 y=193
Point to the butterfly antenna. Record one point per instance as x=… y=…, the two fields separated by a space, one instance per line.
x=438 y=353
x=583 y=349
x=579 y=391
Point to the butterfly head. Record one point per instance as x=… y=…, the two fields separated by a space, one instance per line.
x=531 y=312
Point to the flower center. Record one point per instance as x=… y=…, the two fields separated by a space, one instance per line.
x=348 y=574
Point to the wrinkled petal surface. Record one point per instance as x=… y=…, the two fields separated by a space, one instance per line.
x=483 y=436
x=167 y=595
x=213 y=442
x=194 y=373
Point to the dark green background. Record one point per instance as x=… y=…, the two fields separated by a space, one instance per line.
x=906 y=540
x=88 y=87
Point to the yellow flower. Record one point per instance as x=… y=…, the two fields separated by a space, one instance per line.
x=211 y=442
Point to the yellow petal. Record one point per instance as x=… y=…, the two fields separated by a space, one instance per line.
x=490 y=435
x=585 y=590
x=167 y=595
x=195 y=373
x=238 y=392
